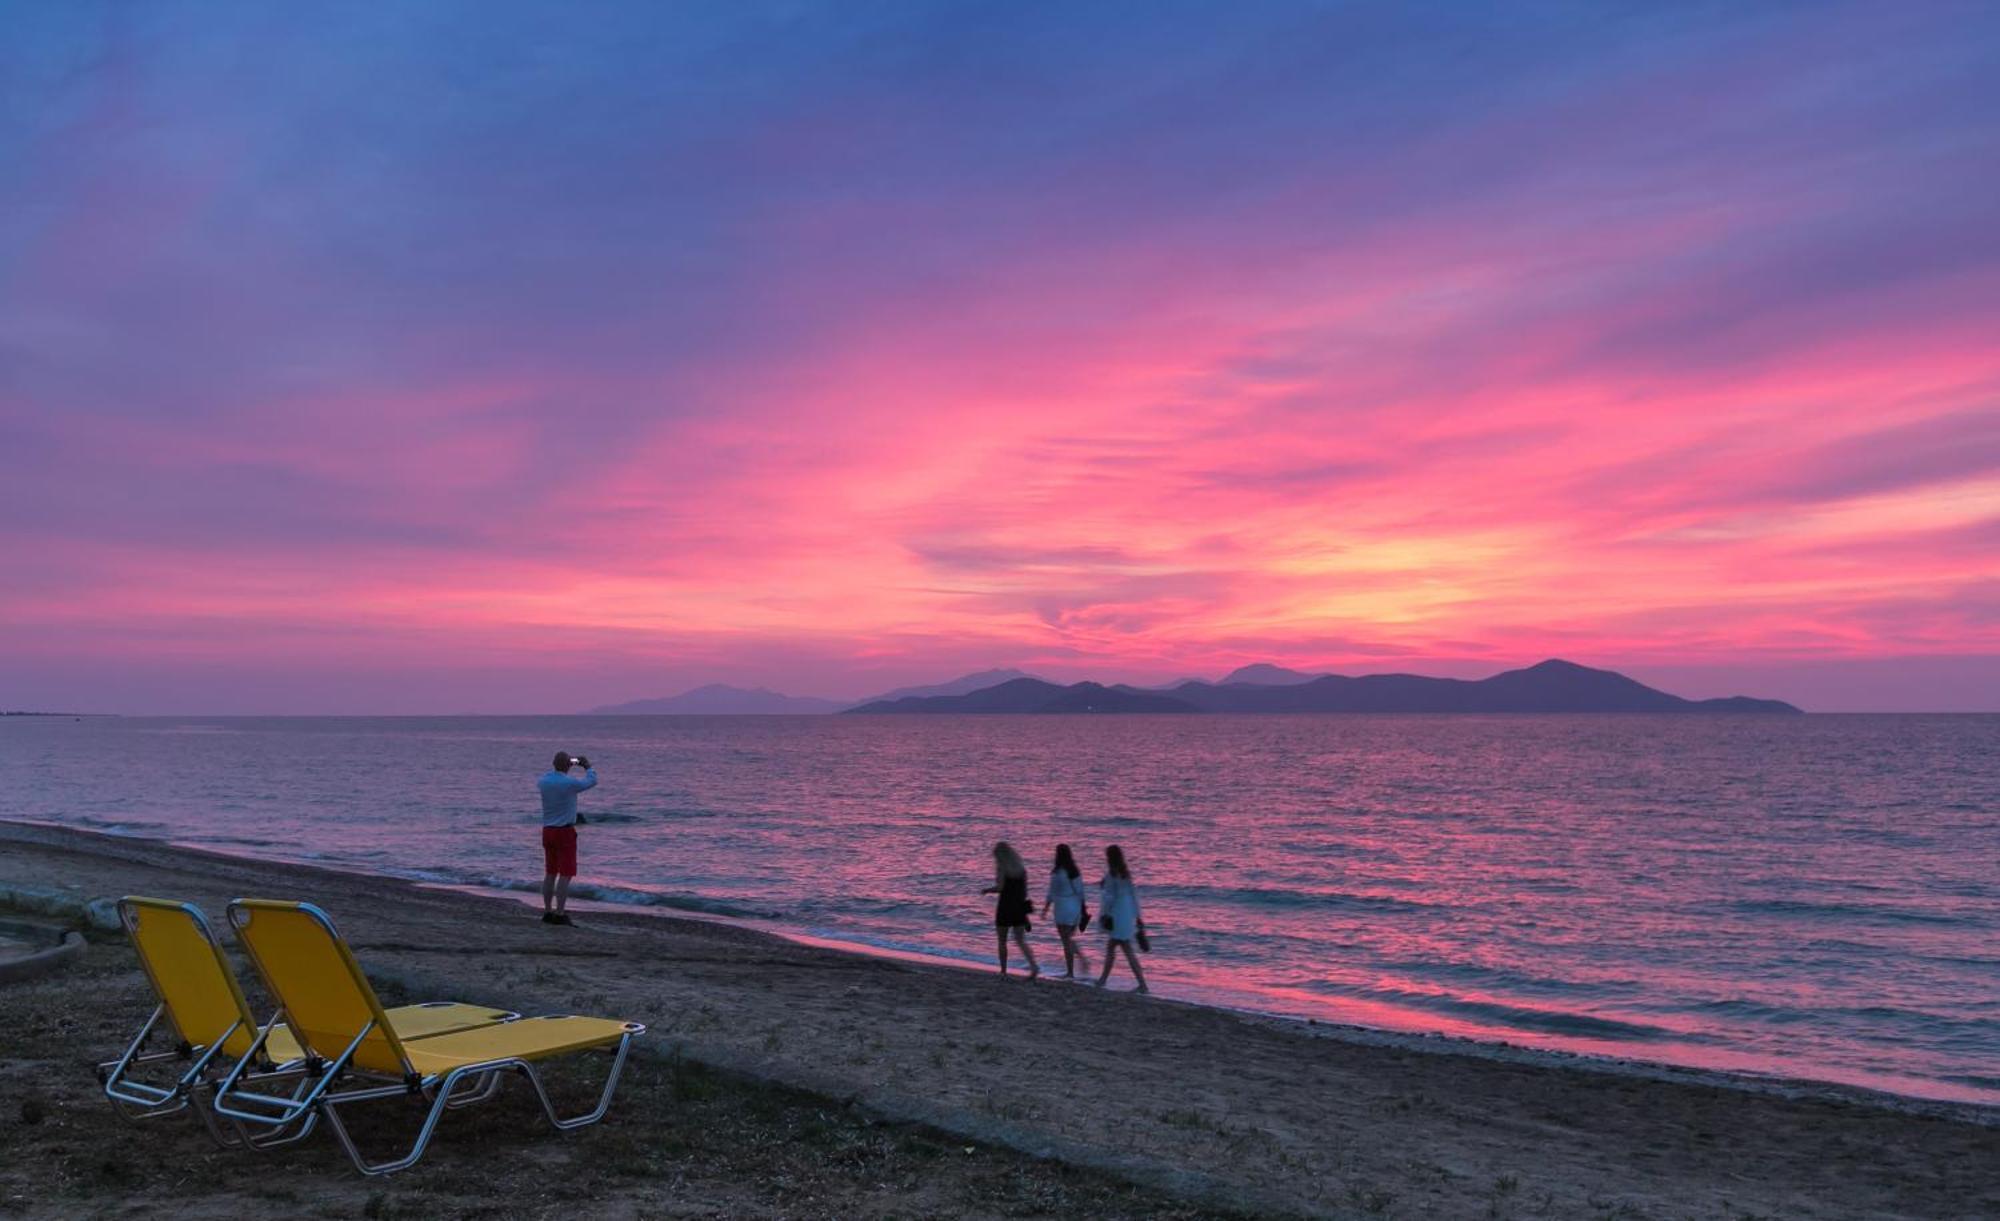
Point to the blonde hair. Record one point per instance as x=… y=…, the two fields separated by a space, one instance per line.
x=1009 y=861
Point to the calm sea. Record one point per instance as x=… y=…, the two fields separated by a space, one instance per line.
x=1811 y=896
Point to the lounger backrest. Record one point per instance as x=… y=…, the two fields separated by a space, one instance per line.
x=309 y=969
x=190 y=973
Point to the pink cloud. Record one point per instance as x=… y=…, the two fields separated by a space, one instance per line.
x=882 y=384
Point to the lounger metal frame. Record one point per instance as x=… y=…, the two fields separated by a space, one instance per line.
x=316 y=1096
x=140 y=1100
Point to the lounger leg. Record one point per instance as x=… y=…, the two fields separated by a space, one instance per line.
x=240 y=1104
x=483 y=1081
x=136 y=1100
x=239 y=1136
x=484 y=1087
x=439 y=1104
x=233 y=1137
x=603 y=1100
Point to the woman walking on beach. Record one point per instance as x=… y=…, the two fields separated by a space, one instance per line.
x=1010 y=915
x=1120 y=917
x=1066 y=897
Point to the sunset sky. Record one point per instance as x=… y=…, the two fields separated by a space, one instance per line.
x=490 y=358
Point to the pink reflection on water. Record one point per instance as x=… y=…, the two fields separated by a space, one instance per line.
x=1808 y=897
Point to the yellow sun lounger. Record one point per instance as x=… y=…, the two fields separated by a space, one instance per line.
x=326 y=1002
x=204 y=1008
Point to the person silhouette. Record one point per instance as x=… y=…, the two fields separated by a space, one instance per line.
x=1010 y=914
x=1066 y=898
x=560 y=820
x=1121 y=922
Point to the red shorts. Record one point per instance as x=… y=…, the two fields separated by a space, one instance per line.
x=559 y=851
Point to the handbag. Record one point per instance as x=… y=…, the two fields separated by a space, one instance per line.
x=1145 y=942
x=1083 y=917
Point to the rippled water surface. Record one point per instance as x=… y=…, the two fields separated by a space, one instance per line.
x=1814 y=896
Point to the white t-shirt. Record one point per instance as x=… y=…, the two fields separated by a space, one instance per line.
x=1120 y=920
x=1065 y=897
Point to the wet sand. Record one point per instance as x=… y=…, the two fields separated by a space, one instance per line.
x=1202 y=1106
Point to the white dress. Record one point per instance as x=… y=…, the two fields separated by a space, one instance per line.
x=1065 y=897
x=1119 y=917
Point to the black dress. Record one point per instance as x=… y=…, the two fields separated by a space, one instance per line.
x=1013 y=908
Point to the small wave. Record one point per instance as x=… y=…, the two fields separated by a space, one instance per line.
x=1744 y=1008
x=1922 y=1016
x=624 y=896
x=1959 y=960
x=1864 y=912
x=894 y=945
x=185 y=729
x=648 y=898
x=1884 y=837
x=1523 y=1017
x=1885 y=1024
x=1505 y=979
x=1271 y=898
x=870 y=905
x=121 y=827
x=616 y=817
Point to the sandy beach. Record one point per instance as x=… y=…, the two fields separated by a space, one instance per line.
x=785 y=1079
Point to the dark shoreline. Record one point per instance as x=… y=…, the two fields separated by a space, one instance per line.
x=1497 y=1049
x=1267 y=1114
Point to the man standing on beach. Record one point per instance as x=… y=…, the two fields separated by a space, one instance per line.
x=559 y=823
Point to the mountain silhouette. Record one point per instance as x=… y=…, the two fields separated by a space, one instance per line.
x=1034 y=695
x=720 y=699
x=1264 y=674
x=962 y=685
x=1551 y=686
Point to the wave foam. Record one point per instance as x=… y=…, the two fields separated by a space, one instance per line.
x=625 y=896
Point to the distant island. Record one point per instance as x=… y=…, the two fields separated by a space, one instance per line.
x=1551 y=686
x=1264 y=674
x=965 y=684
x=720 y=699
x=1035 y=695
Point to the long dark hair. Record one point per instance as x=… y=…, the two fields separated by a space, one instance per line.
x=1114 y=857
x=1066 y=861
